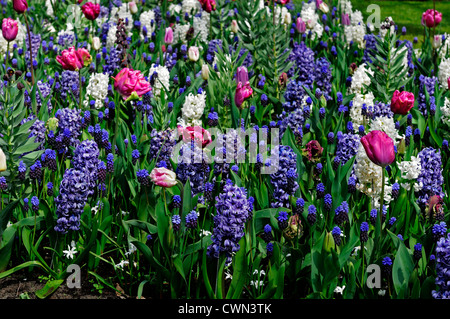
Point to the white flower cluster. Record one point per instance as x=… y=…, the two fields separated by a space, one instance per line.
x=174 y=8
x=387 y=125
x=282 y=15
x=312 y=19
x=179 y=33
x=356 y=109
x=386 y=25
x=97 y=89
x=410 y=171
x=192 y=110
x=360 y=79
x=445 y=47
x=162 y=80
x=444 y=72
x=445 y=111
x=123 y=12
x=191 y=7
x=201 y=26
x=356 y=30
x=345 y=6
x=146 y=19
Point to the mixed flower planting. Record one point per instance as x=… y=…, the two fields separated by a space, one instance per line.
x=224 y=149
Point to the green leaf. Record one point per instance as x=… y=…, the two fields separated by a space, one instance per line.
x=50 y=287
x=402 y=269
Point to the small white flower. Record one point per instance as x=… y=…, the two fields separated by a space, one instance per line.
x=381 y=292
x=70 y=252
x=94 y=210
x=122 y=264
x=339 y=290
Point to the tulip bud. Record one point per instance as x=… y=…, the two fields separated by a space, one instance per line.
x=401 y=148
x=205 y=72
x=2 y=161
x=20 y=6
x=133 y=7
x=52 y=124
x=328 y=242
x=300 y=25
x=402 y=102
x=379 y=148
x=193 y=54
x=437 y=41
x=287 y=19
x=96 y=43
x=168 y=37
x=234 y=26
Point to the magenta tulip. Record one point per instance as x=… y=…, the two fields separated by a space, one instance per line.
x=243 y=92
x=129 y=81
x=431 y=18
x=20 y=6
x=448 y=83
x=70 y=60
x=208 y=5
x=10 y=28
x=402 y=102
x=379 y=148
x=91 y=11
x=345 y=19
x=163 y=177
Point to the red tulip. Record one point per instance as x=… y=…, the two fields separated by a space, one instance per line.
x=130 y=81
x=208 y=5
x=9 y=29
x=402 y=102
x=91 y=10
x=195 y=133
x=20 y=6
x=379 y=148
x=431 y=18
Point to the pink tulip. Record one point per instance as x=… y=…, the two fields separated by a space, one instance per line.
x=91 y=10
x=283 y=1
x=379 y=148
x=70 y=60
x=208 y=5
x=431 y=18
x=10 y=28
x=243 y=92
x=168 y=37
x=300 y=25
x=402 y=102
x=448 y=83
x=20 y=6
x=129 y=81
x=345 y=19
x=163 y=177
x=195 y=133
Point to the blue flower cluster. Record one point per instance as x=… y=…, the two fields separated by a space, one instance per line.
x=442 y=269
x=347 y=146
x=233 y=210
x=430 y=176
x=287 y=163
x=73 y=193
x=86 y=156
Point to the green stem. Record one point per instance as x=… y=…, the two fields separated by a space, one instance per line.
x=381 y=204
x=31 y=51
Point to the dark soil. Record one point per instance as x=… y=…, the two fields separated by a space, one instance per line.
x=24 y=284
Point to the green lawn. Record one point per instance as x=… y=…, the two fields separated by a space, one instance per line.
x=406 y=13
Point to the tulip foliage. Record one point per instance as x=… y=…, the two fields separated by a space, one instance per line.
x=224 y=149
